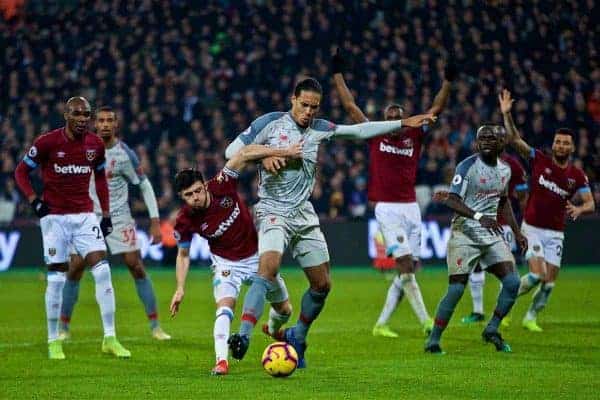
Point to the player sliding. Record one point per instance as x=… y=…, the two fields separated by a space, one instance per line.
x=214 y=210
x=286 y=218
x=393 y=162
x=123 y=167
x=68 y=156
x=479 y=188
x=554 y=181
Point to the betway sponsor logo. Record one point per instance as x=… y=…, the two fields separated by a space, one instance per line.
x=223 y=226
x=72 y=169
x=553 y=187
x=388 y=148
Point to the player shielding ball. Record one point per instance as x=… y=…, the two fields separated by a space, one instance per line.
x=393 y=164
x=479 y=188
x=215 y=211
x=286 y=218
x=68 y=156
x=122 y=168
x=554 y=182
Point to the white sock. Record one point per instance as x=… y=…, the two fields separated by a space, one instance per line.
x=413 y=294
x=394 y=295
x=476 y=281
x=105 y=296
x=528 y=282
x=276 y=320
x=54 y=287
x=221 y=332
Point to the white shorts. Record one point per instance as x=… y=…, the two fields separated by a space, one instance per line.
x=544 y=243
x=400 y=224
x=63 y=232
x=509 y=238
x=123 y=238
x=230 y=275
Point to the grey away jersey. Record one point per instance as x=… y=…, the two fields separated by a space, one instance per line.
x=480 y=186
x=284 y=194
x=122 y=168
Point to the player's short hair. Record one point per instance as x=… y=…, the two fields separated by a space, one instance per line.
x=186 y=178
x=496 y=129
x=308 y=84
x=106 y=109
x=565 y=131
x=392 y=106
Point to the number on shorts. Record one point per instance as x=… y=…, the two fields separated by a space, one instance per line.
x=559 y=250
x=508 y=237
x=129 y=235
x=97 y=231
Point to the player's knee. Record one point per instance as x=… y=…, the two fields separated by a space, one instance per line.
x=323 y=286
x=137 y=271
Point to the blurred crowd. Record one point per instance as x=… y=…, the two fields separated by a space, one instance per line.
x=187 y=77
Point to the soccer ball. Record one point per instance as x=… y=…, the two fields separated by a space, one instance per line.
x=279 y=359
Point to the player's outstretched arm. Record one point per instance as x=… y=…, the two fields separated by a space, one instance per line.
x=338 y=65
x=509 y=216
x=367 y=130
x=588 y=206
x=454 y=202
x=182 y=266
x=152 y=206
x=514 y=137
x=253 y=152
x=441 y=98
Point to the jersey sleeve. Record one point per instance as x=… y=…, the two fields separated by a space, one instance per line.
x=182 y=232
x=38 y=152
x=256 y=133
x=460 y=182
x=518 y=176
x=132 y=168
x=582 y=183
x=100 y=161
x=225 y=183
x=324 y=129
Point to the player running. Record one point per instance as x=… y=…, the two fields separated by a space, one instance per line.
x=123 y=167
x=479 y=188
x=517 y=194
x=68 y=156
x=393 y=163
x=215 y=211
x=554 y=181
x=286 y=218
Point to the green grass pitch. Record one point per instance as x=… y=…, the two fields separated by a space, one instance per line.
x=344 y=360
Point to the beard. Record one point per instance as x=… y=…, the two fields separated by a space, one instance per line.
x=562 y=158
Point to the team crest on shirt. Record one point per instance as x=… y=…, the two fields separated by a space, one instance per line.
x=407 y=142
x=52 y=251
x=459 y=261
x=226 y=202
x=283 y=137
x=225 y=273
x=400 y=239
x=90 y=154
x=571 y=183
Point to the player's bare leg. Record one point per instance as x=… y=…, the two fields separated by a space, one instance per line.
x=536 y=274
x=221 y=330
x=53 y=299
x=105 y=297
x=145 y=291
x=506 y=273
x=70 y=294
x=540 y=298
x=254 y=302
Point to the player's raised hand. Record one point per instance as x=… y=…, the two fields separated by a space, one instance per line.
x=338 y=63
x=492 y=225
x=176 y=301
x=155 y=232
x=506 y=101
x=521 y=242
x=440 y=197
x=273 y=164
x=573 y=211
x=417 y=121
